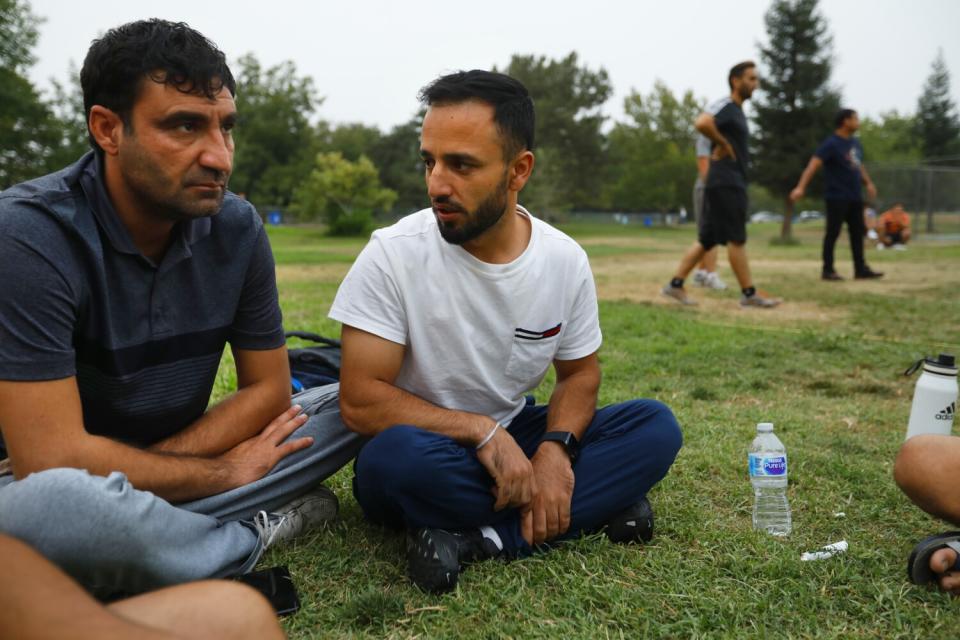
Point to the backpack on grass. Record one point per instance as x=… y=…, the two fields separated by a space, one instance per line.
x=313 y=366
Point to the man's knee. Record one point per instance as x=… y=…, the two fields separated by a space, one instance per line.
x=401 y=456
x=29 y=505
x=913 y=462
x=656 y=425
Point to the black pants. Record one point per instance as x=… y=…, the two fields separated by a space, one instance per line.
x=838 y=212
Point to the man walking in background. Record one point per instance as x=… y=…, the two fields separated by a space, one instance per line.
x=841 y=157
x=706 y=273
x=725 y=219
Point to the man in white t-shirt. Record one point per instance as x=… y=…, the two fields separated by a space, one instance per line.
x=450 y=317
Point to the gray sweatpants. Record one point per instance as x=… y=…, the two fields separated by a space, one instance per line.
x=114 y=538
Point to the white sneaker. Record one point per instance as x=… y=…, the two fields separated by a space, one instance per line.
x=700 y=277
x=297 y=516
x=872 y=234
x=899 y=247
x=881 y=246
x=713 y=281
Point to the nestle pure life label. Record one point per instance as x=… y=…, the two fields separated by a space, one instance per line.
x=768 y=465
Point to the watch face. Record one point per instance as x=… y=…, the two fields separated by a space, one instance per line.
x=565 y=438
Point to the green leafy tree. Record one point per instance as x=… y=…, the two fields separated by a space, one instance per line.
x=352 y=140
x=343 y=194
x=275 y=141
x=568 y=98
x=397 y=156
x=651 y=158
x=938 y=125
x=891 y=138
x=28 y=130
x=795 y=109
x=71 y=121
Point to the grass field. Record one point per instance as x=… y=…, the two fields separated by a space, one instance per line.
x=825 y=367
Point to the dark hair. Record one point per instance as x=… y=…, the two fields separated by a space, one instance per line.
x=161 y=51
x=512 y=104
x=842 y=116
x=736 y=71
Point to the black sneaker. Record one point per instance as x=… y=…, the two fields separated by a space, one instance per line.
x=435 y=557
x=868 y=274
x=634 y=524
x=832 y=276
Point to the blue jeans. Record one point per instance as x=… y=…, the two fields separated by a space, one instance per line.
x=409 y=477
x=112 y=537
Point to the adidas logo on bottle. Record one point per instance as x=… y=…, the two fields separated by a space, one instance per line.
x=947 y=414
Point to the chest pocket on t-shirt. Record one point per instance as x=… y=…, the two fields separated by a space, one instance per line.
x=532 y=353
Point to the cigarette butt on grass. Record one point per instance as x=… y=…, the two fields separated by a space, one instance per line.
x=826 y=552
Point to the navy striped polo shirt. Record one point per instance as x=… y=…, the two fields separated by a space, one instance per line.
x=144 y=340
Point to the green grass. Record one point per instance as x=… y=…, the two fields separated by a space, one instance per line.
x=825 y=368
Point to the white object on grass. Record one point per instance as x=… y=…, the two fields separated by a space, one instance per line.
x=826 y=552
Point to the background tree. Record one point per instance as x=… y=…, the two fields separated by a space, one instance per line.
x=275 y=140
x=397 y=157
x=651 y=158
x=28 y=130
x=890 y=138
x=342 y=193
x=569 y=143
x=71 y=122
x=938 y=126
x=795 y=108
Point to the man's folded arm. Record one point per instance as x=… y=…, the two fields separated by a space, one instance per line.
x=263 y=393
x=42 y=426
x=370 y=402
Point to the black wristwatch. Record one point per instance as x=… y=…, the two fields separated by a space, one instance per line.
x=567 y=439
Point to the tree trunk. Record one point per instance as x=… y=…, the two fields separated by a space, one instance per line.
x=786 y=232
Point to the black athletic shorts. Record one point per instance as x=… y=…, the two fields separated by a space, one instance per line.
x=725 y=217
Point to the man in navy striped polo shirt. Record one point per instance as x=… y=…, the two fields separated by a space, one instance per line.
x=122 y=278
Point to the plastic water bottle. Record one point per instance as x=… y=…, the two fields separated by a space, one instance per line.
x=768 y=475
x=934 y=397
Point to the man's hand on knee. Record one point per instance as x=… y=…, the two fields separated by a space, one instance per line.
x=255 y=457
x=551 y=507
x=514 y=482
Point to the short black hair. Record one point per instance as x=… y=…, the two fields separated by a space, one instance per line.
x=161 y=51
x=736 y=71
x=512 y=105
x=842 y=116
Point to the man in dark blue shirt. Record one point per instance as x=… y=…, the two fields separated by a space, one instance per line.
x=841 y=157
x=122 y=278
x=725 y=214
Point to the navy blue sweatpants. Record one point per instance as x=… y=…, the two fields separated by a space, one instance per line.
x=409 y=477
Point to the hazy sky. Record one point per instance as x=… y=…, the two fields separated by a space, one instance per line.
x=370 y=57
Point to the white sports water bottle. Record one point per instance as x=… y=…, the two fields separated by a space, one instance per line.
x=935 y=396
x=768 y=475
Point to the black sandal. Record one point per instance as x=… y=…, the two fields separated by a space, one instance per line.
x=918 y=565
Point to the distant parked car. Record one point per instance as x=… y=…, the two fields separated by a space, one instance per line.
x=766 y=216
x=809 y=215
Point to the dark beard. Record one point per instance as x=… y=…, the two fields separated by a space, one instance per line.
x=486 y=215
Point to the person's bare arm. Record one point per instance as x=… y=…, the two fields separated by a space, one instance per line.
x=40 y=602
x=370 y=403
x=812 y=167
x=572 y=405
x=703 y=165
x=42 y=425
x=868 y=183
x=263 y=393
x=707 y=125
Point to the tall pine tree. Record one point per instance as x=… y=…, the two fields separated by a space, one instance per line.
x=938 y=126
x=796 y=104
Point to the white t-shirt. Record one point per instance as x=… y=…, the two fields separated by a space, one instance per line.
x=478 y=336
